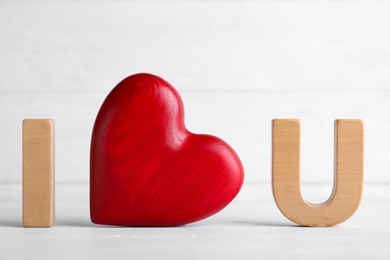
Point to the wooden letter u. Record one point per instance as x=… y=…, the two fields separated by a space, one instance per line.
x=348 y=174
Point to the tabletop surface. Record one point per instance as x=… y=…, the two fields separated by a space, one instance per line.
x=251 y=226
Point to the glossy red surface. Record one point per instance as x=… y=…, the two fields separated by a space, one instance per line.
x=147 y=169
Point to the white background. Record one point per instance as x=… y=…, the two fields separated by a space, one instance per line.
x=236 y=64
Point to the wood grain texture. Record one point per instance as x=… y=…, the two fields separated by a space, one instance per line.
x=85 y=46
x=229 y=56
x=147 y=169
x=251 y=227
x=348 y=175
x=38 y=173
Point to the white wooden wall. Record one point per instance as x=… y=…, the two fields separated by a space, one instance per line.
x=237 y=65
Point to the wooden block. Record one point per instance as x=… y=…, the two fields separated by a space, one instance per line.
x=38 y=173
x=348 y=175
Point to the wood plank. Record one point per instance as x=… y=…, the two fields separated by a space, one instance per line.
x=218 y=45
x=250 y=227
x=348 y=175
x=38 y=173
x=241 y=119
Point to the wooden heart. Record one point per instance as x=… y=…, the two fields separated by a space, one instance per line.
x=147 y=169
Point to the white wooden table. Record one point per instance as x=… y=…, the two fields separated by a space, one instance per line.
x=249 y=228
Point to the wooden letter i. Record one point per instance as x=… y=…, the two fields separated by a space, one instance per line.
x=38 y=173
x=348 y=174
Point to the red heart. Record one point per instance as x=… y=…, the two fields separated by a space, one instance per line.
x=147 y=169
